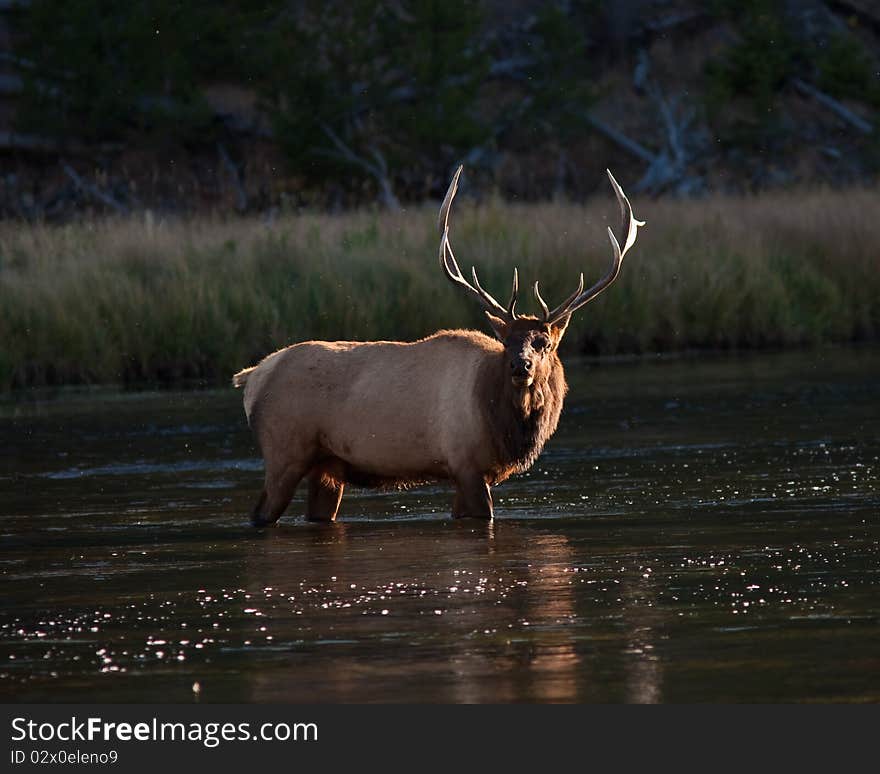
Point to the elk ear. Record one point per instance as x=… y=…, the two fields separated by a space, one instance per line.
x=499 y=327
x=557 y=330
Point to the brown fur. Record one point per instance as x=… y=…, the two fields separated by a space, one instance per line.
x=397 y=414
x=522 y=421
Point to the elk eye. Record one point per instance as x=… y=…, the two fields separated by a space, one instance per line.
x=541 y=343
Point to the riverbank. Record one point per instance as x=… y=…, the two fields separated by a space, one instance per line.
x=147 y=299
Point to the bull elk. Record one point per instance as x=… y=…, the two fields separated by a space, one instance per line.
x=457 y=405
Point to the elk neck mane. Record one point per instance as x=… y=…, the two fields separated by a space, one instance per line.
x=520 y=420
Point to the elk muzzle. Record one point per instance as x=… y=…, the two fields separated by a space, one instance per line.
x=522 y=371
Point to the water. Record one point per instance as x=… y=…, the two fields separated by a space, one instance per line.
x=698 y=530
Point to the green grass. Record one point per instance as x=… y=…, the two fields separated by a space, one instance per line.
x=145 y=300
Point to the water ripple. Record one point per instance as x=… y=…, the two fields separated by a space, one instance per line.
x=151 y=468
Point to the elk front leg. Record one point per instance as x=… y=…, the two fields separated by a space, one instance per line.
x=326 y=485
x=473 y=499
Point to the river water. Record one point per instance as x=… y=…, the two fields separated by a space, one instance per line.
x=700 y=529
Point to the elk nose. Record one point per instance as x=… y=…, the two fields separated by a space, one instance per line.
x=521 y=367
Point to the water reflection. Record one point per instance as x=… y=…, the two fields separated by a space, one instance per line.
x=643 y=619
x=499 y=615
x=471 y=612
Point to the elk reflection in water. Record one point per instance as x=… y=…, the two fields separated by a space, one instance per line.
x=495 y=617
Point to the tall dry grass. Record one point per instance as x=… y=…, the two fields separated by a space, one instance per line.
x=147 y=299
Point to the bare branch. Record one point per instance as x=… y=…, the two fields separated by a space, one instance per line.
x=834 y=106
x=93 y=190
x=378 y=168
x=241 y=199
x=639 y=151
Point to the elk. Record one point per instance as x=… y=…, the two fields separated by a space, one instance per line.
x=457 y=405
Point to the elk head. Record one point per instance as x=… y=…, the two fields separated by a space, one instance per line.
x=530 y=343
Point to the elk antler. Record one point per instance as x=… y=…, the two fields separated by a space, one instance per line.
x=580 y=297
x=450 y=265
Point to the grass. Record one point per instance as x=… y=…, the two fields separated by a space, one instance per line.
x=153 y=300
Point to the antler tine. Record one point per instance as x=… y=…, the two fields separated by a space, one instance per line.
x=485 y=295
x=564 y=304
x=542 y=302
x=630 y=229
x=511 y=306
x=627 y=219
x=443 y=216
x=450 y=265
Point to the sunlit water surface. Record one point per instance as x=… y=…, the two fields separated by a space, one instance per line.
x=699 y=529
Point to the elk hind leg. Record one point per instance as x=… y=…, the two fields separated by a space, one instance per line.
x=326 y=486
x=473 y=499
x=278 y=491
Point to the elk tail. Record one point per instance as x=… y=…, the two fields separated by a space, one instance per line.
x=240 y=379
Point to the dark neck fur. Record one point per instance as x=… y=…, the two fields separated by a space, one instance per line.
x=521 y=419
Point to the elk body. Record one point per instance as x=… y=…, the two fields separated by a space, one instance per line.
x=458 y=405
